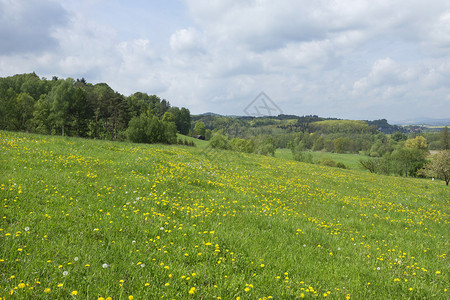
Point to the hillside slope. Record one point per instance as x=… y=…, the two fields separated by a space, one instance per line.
x=88 y=219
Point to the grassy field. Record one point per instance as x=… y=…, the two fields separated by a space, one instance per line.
x=351 y=161
x=86 y=219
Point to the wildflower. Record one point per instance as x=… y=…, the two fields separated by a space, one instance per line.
x=27 y=228
x=65 y=273
x=130 y=297
x=438 y=272
x=105 y=266
x=75 y=259
x=47 y=290
x=74 y=293
x=60 y=285
x=21 y=285
x=192 y=291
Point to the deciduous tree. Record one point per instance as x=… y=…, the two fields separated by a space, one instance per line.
x=439 y=167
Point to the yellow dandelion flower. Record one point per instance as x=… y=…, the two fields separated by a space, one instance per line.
x=47 y=290
x=74 y=293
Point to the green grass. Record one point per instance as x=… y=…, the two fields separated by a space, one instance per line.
x=110 y=219
x=198 y=143
x=351 y=161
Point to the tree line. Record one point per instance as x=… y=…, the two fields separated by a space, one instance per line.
x=77 y=108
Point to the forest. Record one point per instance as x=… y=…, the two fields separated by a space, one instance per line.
x=71 y=107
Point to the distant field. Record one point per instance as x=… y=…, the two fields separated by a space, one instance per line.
x=197 y=142
x=351 y=161
x=88 y=219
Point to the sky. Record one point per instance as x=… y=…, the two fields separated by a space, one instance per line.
x=350 y=59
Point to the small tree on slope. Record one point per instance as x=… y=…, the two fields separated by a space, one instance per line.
x=439 y=167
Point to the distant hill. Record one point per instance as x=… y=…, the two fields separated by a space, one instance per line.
x=425 y=121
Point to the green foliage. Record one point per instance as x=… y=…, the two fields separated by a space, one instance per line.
x=345 y=126
x=370 y=164
x=444 y=139
x=137 y=129
x=78 y=108
x=208 y=134
x=407 y=161
x=398 y=136
x=219 y=141
x=242 y=145
x=328 y=162
x=200 y=129
x=41 y=115
x=182 y=119
x=439 y=167
x=299 y=152
x=418 y=142
x=149 y=129
x=265 y=146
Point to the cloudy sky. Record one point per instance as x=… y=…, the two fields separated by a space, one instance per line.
x=353 y=59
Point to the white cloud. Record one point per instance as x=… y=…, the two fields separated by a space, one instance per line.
x=187 y=40
x=342 y=58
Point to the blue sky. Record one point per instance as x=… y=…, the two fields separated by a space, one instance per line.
x=352 y=59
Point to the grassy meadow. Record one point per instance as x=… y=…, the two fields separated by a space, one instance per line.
x=351 y=161
x=87 y=219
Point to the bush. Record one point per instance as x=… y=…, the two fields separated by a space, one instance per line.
x=242 y=145
x=220 y=141
x=149 y=129
x=341 y=165
x=299 y=153
x=328 y=162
